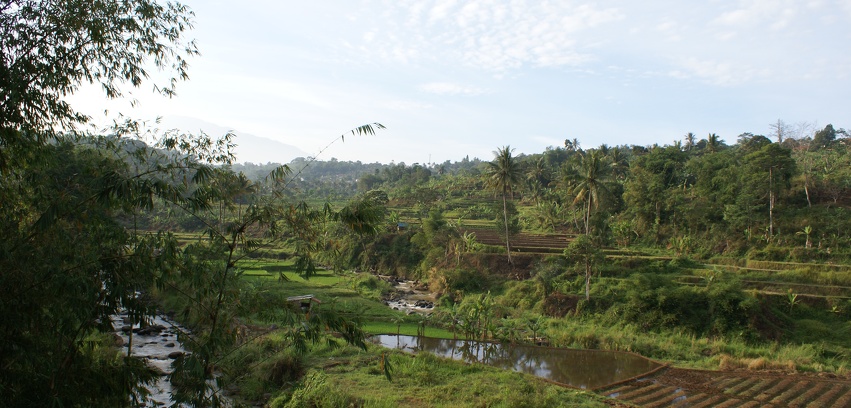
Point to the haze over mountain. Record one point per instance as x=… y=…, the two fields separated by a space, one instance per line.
x=250 y=148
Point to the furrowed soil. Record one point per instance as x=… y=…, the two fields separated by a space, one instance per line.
x=675 y=387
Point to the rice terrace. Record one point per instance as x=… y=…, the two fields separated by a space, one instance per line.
x=572 y=204
x=696 y=388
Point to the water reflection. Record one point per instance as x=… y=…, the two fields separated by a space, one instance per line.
x=577 y=368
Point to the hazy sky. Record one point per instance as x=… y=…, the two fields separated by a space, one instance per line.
x=456 y=78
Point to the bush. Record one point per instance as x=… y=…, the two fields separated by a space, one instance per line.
x=467 y=280
x=284 y=369
x=370 y=286
x=559 y=305
x=630 y=262
x=653 y=301
x=683 y=262
x=769 y=253
x=391 y=253
x=521 y=295
x=807 y=255
x=720 y=260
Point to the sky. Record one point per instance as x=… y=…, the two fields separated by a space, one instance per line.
x=451 y=79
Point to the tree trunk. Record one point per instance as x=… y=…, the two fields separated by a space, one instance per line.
x=588 y=217
x=807 y=190
x=770 y=202
x=587 y=279
x=505 y=221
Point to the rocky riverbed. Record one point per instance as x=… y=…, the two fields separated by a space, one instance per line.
x=409 y=296
x=157 y=344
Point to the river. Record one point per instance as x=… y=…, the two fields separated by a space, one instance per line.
x=158 y=345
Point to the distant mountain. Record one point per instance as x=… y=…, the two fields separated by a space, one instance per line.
x=250 y=148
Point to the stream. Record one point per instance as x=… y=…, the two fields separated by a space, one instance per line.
x=410 y=297
x=157 y=344
x=586 y=369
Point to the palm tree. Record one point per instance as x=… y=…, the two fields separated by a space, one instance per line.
x=586 y=183
x=619 y=164
x=713 y=143
x=502 y=174
x=690 y=140
x=537 y=179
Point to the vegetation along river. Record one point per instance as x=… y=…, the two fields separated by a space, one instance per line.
x=587 y=369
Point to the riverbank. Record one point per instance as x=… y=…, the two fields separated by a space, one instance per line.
x=268 y=368
x=351 y=377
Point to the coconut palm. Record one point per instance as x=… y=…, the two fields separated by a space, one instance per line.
x=537 y=179
x=503 y=173
x=713 y=142
x=619 y=164
x=586 y=182
x=690 y=140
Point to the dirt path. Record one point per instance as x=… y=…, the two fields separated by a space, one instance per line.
x=674 y=387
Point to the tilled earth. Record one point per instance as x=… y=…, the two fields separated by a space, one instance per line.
x=673 y=387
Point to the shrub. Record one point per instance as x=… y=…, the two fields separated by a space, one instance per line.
x=807 y=255
x=467 y=280
x=769 y=253
x=654 y=301
x=284 y=369
x=370 y=286
x=683 y=262
x=559 y=305
x=521 y=295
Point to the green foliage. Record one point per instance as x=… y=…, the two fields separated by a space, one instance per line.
x=369 y=286
x=425 y=380
x=71 y=264
x=315 y=391
x=109 y=44
x=654 y=176
x=68 y=266
x=587 y=182
x=467 y=280
x=545 y=276
x=513 y=226
x=655 y=301
x=522 y=295
x=392 y=253
x=584 y=252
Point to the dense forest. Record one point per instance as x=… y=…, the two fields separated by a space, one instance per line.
x=698 y=253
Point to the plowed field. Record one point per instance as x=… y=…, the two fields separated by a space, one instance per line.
x=674 y=387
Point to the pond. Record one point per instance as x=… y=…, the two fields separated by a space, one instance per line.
x=587 y=369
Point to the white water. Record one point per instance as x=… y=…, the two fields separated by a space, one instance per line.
x=154 y=348
x=408 y=298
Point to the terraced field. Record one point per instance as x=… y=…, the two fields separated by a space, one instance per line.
x=523 y=242
x=673 y=387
